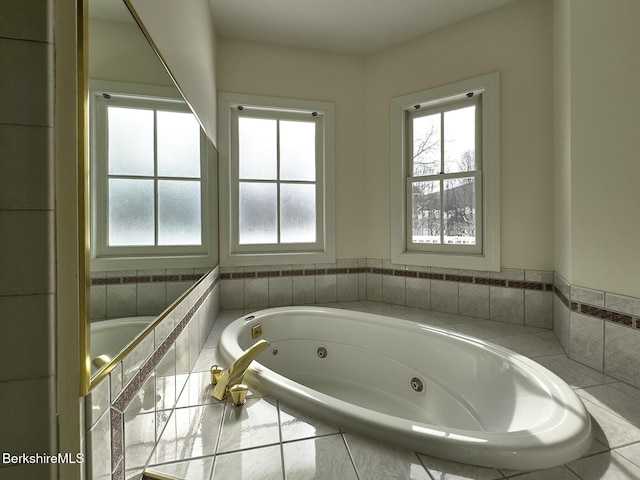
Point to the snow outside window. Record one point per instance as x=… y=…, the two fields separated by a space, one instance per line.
x=445 y=176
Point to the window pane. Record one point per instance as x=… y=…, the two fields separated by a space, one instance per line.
x=131 y=212
x=426 y=212
x=258 y=213
x=179 y=212
x=460 y=140
x=297 y=213
x=178 y=145
x=297 y=150
x=130 y=141
x=257 y=148
x=460 y=211
x=426 y=145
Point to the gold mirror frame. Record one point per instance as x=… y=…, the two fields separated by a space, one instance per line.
x=87 y=382
x=84 y=278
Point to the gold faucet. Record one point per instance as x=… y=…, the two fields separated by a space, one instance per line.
x=234 y=374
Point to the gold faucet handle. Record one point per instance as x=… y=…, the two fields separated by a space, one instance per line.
x=238 y=394
x=101 y=360
x=234 y=374
x=216 y=373
x=238 y=368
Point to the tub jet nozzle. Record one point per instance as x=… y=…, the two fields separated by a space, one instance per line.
x=417 y=385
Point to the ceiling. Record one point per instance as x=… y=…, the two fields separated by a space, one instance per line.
x=348 y=26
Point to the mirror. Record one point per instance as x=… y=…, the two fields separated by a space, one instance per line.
x=133 y=280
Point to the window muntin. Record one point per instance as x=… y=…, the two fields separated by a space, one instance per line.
x=277 y=171
x=148 y=179
x=444 y=181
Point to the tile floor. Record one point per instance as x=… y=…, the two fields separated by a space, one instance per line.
x=205 y=439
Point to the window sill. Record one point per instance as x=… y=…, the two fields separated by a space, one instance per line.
x=146 y=263
x=241 y=259
x=489 y=262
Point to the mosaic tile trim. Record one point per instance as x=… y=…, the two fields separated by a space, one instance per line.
x=613 y=316
x=117 y=440
x=128 y=393
x=609 y=315
x=191 y=277
x=562 y=297
x=498 y=282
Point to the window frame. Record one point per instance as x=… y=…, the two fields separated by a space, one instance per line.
x=231 y=251
x=105 y=257
x=487 y=256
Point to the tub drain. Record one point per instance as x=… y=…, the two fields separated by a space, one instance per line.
x=417 y=385
x=322 y=352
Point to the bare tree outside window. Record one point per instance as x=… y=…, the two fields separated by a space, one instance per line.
x=443 y=206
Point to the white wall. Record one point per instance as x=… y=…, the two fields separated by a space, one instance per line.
x=264 y=69
x=183 y=33
x=562 y=137
x=120 y=52
x=597 y=168
x=605 y=166
x=515 y=40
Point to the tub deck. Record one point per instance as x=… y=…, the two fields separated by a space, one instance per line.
x=293 y=445
x=479 y=402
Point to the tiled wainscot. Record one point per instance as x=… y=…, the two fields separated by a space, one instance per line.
x=154 y=409
x=138 y=292
x=515 y=296
x=599 y=329
x=128 y=409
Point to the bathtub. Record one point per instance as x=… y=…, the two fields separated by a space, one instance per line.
x=110 y=337
x=416 y=386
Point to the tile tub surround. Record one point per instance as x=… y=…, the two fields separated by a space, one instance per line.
x=28 y=219
x=600 y=329
x=516 y=296
x=205 y=439
x=124 y=409
x=139 y=292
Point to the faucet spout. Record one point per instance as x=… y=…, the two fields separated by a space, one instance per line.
x=234 y=374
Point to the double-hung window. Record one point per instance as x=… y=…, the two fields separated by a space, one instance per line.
x=445 y=176
x=149 y=182
x=444 y=181
x=279 y=193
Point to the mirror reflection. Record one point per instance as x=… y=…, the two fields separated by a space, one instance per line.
x=152 y=189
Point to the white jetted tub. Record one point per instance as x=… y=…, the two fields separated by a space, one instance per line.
x=416 y=386
x=110 y=337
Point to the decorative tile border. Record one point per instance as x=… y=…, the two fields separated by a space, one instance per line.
x=608 y=315
x=479 y=280
x=562 y=297
x=128 y=393
x=620 y=318
x=124 y=280
x=292 y=273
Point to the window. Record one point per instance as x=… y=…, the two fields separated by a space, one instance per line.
x=149 y=181
x=444 y=183
x=445 y=176
x=277 y=155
